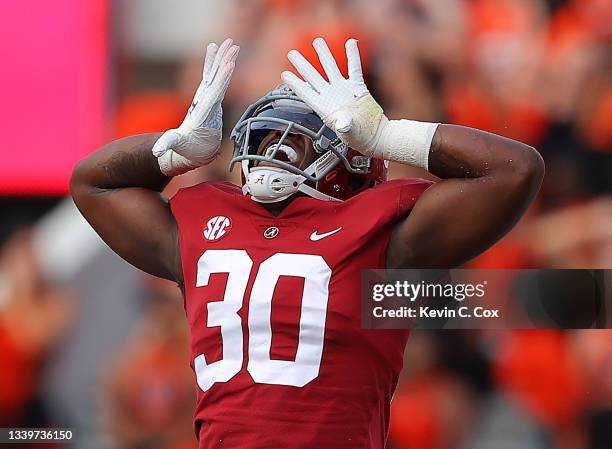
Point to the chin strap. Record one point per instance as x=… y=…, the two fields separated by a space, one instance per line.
x=273 y=184
x=310 y=191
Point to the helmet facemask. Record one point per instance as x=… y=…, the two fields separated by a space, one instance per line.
x=282 y=111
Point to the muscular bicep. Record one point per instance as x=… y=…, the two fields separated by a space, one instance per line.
x=117 y=189
x=488 y=183
x=137 y=224
x=455 y=220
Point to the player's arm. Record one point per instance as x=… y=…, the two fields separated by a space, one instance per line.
x=118 y=188
x=488 y=180
x=487 y=183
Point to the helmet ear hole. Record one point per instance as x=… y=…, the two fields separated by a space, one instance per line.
x=342 y=184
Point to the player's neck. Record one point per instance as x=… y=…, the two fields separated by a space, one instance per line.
x=277 y=208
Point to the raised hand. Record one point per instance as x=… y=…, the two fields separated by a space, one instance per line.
x=197 y=140
x=345 y=105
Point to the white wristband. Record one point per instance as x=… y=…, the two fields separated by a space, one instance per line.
x=364 y=127
x=406 y=141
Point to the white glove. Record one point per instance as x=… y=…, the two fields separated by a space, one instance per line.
x=346 y=106
x=197 y=140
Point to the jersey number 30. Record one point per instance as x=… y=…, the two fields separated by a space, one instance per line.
x=224 y=313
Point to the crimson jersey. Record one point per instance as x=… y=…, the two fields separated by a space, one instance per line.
x=273 y=304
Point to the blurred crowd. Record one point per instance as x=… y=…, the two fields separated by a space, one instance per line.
x=533 y=70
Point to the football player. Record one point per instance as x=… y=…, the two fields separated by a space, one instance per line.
x=270 y=272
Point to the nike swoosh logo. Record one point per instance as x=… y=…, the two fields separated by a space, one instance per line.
x=315 y=237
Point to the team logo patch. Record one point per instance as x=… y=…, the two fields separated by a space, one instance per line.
x=271 y=232
x=217 y=227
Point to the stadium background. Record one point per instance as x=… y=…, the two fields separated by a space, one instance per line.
x=88 y=342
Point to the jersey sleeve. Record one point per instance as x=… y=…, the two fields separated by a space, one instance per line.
x=409 y=194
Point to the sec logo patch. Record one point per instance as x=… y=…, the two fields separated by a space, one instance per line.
x=217 y=227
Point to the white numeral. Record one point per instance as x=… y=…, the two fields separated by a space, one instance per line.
x=224 y=313
x=316 y=274
x=263 y=369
